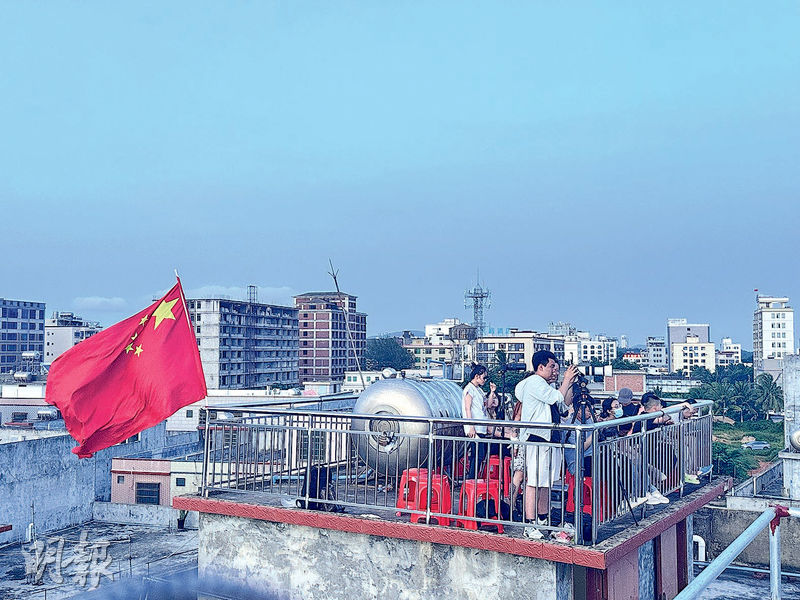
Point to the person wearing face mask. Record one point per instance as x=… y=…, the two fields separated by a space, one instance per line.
x=611 y=409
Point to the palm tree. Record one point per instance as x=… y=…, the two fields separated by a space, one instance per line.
x=743 y=399
x=721 y=393
x=768 y=393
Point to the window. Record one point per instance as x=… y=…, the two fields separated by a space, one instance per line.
x=120 y=478
x=180 y=481
x=19 y=417
x=148 y=493
x=189 y=414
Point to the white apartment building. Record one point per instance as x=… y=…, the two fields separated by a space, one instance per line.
x=583 y=348
x=656 y=357
x=773 y=334
x=436 y=345
x=693 y=353
x=729 y=354
x=439 y=333
x=519 y=347
x=62 y=331
x=678 y=330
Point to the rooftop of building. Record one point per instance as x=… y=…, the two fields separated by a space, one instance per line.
x=326 y=295
x=136 y=551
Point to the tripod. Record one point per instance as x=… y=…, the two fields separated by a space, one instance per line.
x=582 y=402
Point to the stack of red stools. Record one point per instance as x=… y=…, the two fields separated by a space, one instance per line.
x=587 y=496
x=412 y=494
x=472 y=492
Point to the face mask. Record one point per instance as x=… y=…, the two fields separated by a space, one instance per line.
x=618 y=413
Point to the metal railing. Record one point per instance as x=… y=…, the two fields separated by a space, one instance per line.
x=422 y=467
x=769 y=518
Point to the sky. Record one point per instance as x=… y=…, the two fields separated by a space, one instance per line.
x=612 y=165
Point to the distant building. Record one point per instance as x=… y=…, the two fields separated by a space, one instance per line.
x=634 y=357
x=729 y=354
x=623 y=341
x=63 y=330
x=21 y=335
x=773 y=334
x=656 y=355
x=245 y=345
x=677 y=332
x=519 y=347
x=583 y=348
x=325 y=351
x=692 y=353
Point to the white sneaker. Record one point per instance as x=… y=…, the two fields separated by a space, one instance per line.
x=651 y=500
x=569 y=528
x=532 y=533
x=638 y=501
x=659 y=497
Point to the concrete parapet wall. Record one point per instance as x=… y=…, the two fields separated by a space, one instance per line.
x=61 y=487
x=279 y=560
x=719 y=526
x=141 y=514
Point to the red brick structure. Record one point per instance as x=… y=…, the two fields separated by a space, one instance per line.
x=325 y=351
x=635 y=380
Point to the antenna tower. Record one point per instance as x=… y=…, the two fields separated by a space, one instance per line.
x=478 y=298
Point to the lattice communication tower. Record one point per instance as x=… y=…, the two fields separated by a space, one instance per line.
x=478 y=298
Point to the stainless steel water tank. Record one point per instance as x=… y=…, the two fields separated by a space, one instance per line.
x=391 y=446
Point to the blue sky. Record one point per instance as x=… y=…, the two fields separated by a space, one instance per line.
x=610 y=165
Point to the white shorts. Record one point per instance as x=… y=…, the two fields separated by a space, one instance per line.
x=544 y=465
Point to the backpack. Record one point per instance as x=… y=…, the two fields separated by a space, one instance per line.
x=317 y=485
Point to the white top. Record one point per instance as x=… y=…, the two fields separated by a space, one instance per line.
x=536 y=396
x=477 y=405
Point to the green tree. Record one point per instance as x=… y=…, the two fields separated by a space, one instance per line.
x=721 y=393
x=769 y=394
x=702 y=374
x=729 y=460
x=743 y=399
x=624 y=365
x=386 y=352
x=734 y=373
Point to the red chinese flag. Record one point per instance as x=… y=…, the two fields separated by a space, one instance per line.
x=128 y=377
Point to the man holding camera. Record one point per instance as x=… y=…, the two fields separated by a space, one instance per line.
x=539 y=399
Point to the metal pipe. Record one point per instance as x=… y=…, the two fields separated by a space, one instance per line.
x=715 y=569
x=775 y=562
x=701 y=547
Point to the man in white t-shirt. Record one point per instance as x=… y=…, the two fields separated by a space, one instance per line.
x=543 y=462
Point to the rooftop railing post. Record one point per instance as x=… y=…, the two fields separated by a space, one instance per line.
x=682 y=459
x=577 y=493
x=307 y=485
x=775 y=561
x=206 y=457
x=596 y=482
x=431 y=463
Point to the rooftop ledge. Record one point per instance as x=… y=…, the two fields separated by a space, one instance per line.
x=251 y=505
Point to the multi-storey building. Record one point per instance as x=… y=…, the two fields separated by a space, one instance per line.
x=773 y=334
x=63 y=331
x=677 y=332
x=692 y=353
x=656 y=355
x=729 y=354
x=21 y=335
x=634 y=357
x=582 y=348
x=245 y=345
x=436 y=345
x=519 y=347
x=325 y=350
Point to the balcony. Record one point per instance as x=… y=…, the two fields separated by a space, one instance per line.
x=393 y=469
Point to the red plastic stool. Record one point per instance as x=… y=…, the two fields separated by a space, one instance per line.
x=462 y=467
x=441 y=498
x=412 y=494
x=491 y=470
x=472 y=492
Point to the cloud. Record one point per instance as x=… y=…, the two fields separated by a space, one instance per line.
x=99 y=303
x=266 y=294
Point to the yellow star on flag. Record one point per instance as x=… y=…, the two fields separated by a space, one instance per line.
x=164 y=311
x=138 y=350
x=144 y=320
x=128 y=348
